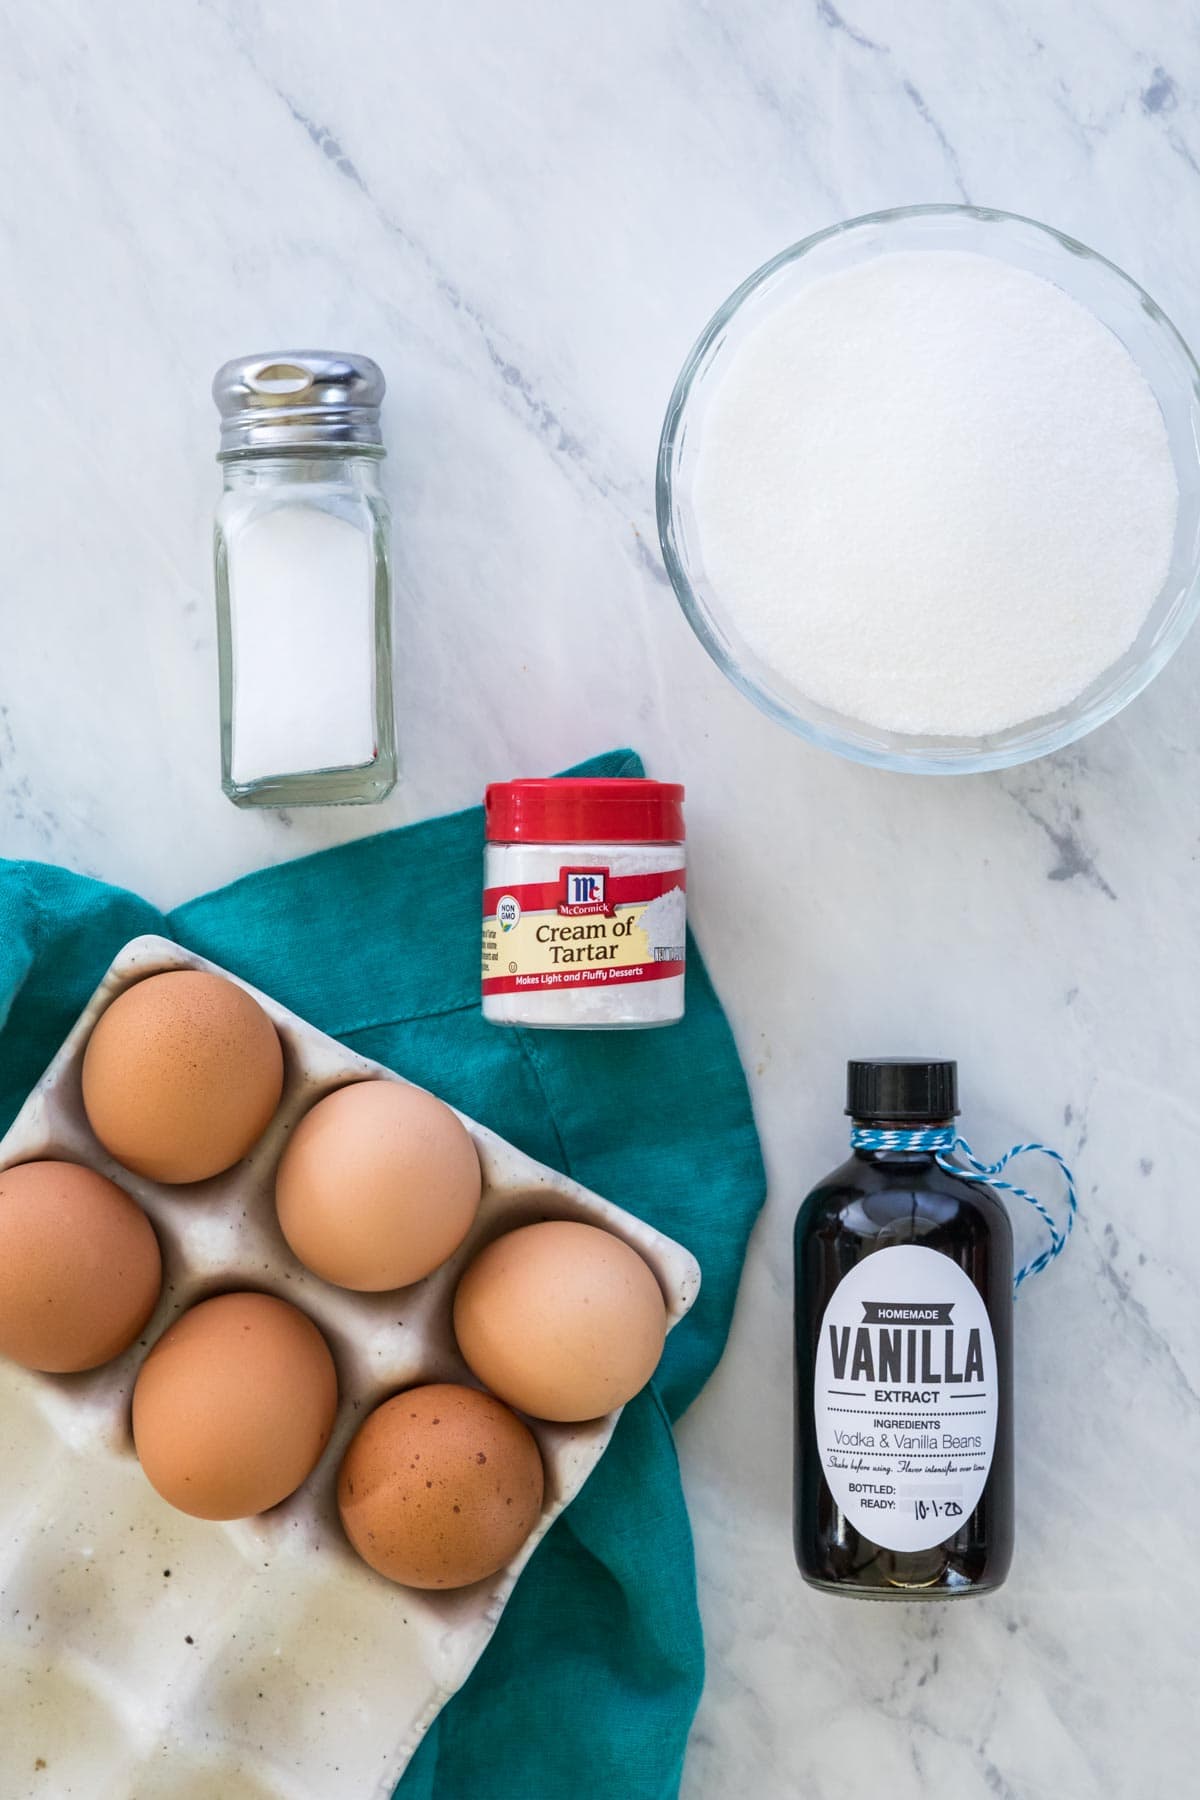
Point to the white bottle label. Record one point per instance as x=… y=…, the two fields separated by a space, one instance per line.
x=905 y=1400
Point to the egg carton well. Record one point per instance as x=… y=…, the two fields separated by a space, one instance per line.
x=147 y=1655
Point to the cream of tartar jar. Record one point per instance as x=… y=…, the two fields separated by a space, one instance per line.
x=584 y=907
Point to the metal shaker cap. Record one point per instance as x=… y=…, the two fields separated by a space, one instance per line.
x=293 y=399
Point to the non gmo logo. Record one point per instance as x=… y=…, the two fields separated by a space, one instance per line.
x=508 y=911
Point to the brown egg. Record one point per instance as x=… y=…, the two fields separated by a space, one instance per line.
x=440 y=1487
x=561 y=1319
x=79 y=1267
x=181 y=1075
x=234 y=1405
x=379 y=1184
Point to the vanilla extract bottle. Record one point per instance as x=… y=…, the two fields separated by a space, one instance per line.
x=903 y=1343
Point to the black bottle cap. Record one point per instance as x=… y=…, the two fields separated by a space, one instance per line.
x=902 y=1089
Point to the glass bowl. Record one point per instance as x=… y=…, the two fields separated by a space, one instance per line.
x=1113 y=297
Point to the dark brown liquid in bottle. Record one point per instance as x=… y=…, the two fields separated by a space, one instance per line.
x=876 y=1200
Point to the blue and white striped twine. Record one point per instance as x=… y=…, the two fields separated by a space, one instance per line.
x=945 y=1144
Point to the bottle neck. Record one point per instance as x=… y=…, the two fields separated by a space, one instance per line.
x=876 y=1138
x=336 y=465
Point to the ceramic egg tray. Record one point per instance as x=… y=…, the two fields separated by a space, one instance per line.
x=146 y=1655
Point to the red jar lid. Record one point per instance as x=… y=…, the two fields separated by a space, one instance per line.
x=566 y=810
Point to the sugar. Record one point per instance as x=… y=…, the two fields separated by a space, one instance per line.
x=301 y=593
x=936 y=494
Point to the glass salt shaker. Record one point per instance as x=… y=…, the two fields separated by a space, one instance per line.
x=303 y=582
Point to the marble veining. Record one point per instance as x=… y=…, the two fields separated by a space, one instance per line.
x=527 y=213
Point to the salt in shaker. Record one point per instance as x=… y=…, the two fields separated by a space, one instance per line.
x=303 y=582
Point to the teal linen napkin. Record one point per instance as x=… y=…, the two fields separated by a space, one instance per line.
x=593 y=1676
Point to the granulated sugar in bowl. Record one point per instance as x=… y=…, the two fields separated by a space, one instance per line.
x=929 y=489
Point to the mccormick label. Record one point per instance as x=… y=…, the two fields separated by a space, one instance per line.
x=587 y=928
x=905 y=1397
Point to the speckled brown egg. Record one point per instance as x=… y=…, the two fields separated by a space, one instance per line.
x=379 y=1184
x=561 y=1319
x=80 y=1269
x=234 y=1405
x=440 y=1487
x=181 y=1075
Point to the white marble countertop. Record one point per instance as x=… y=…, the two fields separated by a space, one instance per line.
x=526 y=213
